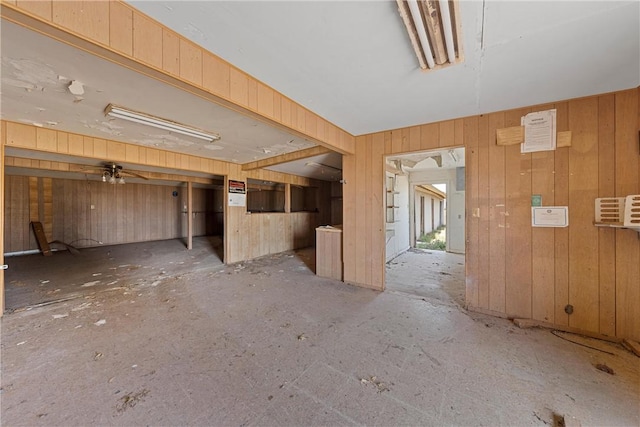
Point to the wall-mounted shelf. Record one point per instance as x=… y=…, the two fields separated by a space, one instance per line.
x=391 y=200
x=618 y=212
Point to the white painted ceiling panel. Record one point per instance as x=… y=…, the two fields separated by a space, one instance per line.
x=351 y=61
x=597 y=54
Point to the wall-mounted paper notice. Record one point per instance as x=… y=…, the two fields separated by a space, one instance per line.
x=237 y=199
x=237 y=193
x=539 y=131
x=550 y=216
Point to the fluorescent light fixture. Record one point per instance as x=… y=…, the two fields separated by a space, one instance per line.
x=422 y=32
x=157 y=122
x=434 y=30
x=448 y=31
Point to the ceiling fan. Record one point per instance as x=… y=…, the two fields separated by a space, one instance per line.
x=113 y=173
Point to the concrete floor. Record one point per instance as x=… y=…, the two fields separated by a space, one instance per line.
x=268 y=343
x=432 y=274
x=33 y=280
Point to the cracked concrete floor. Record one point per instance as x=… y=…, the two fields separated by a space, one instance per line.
x=268 y=343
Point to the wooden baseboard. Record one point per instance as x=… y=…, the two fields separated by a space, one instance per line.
x=531 y=323
x=632 y=346
x=488 y=312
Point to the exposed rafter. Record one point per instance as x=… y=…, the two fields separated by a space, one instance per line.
x=284 y=158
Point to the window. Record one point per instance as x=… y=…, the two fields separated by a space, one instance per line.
x=304 y=199
x=265 y=196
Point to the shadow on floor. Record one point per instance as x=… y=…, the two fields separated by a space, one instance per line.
x=33 y=280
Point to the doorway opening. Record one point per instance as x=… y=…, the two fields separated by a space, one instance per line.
x=430 y=216
x=425 y=229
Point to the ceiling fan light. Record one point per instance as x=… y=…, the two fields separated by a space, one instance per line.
x=104 y=178
x=112 y=180
x=121 y=180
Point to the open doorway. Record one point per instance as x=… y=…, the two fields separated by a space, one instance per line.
x=425 y=226
x=429 y=211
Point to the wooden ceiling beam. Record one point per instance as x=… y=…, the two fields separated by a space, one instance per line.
x=55 y=166
x=285 y=158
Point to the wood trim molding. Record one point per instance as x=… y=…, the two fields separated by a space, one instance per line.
x=515 y=135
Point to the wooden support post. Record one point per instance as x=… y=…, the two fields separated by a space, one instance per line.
x=189 y=215
x=287 y=198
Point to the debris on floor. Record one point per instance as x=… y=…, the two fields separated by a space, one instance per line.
x=89 y=284
x=302 y=337
x=130 y=400
x=82 y=306
x=100 y=322
x=604 y=368
x=378 y=384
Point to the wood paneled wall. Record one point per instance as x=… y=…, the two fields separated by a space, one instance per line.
x=270 y=233
x=116 y=31
x=27 y=137
x=336 y=203
x=85 y=213
x=514 y=269
x=250 y=235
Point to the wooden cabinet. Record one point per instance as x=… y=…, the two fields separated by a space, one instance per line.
x=329 y=252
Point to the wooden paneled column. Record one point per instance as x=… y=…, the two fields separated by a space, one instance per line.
x=189 y=215
x=287 y=198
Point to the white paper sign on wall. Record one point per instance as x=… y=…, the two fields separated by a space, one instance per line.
x=550 y=216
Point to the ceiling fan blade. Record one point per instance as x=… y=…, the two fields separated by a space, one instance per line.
x=137 y=175
x=90 y=169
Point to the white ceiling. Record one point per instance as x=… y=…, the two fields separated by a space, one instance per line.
x=351 y=61
x=37 y=70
